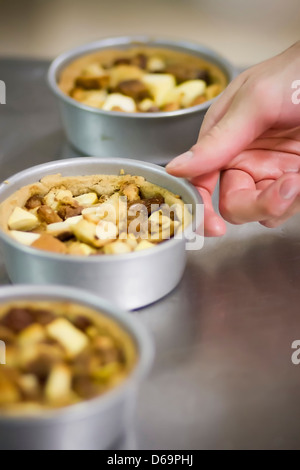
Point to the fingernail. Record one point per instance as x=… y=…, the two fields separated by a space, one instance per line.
x=181 y=160
x=288 y=189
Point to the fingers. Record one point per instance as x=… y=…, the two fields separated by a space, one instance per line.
x=214 y=225
x=219 y=108
x=236 y=130
x=293 y=210
x=266 y=164
x=241 y=201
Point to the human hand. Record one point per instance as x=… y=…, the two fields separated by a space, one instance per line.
x=251 y=134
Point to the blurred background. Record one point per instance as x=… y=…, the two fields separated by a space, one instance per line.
x=244 y=32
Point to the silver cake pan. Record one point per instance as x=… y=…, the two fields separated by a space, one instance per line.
x=89 y=425
x=154 y=137
x=130 y=280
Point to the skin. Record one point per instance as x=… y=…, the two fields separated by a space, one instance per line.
x=250 y=138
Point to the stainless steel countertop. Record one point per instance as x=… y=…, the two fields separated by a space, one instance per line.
x=223 y=376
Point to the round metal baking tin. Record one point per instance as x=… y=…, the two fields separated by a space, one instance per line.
x=154 y=137
x=89 y=425
x=130 y=280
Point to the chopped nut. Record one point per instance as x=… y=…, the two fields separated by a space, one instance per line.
x=33 y=202
x=93 y=83
x=184 y=73
x=44 y=317
x=17 y=319
x=69 y=210
x=140 y=60
x=131 y=191
x=6 y=334
x=212 y=91
x=83 y=386
x=199 y=100
x=49 y=243
x=133 y=88
x=9 y=391
x=151 y=204
x=171 y=107
x=48 y=215
x=82 y=323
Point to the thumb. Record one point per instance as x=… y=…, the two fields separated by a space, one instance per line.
x=236 y=130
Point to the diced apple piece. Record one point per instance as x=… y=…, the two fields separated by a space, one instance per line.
x=74 y=220
x=91 y=210
x=44 y=354
x=58 y=386
x=117 y=101
x=144 y=245
x=156 y=64
x=106 y=230
x=55 y=196
x=72 y=339
x=85 y=232
x=158 y=219
x=61 y=227
x=93 y=98
x=177 y=227
x=22 y=220
x=26 y=238
x=93 y=70
x=117 y=248
x=29 y=385
x=87 y=199
x=146 y=104
x=9 y=393
x=187 y=92
x=122 y=73
x=58 y=227
x=131 y=241
x=161 y=227
x=34 y=333
x=80 y=249
x=159 y=86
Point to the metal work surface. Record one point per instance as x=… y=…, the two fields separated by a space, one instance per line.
x=223 y=375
